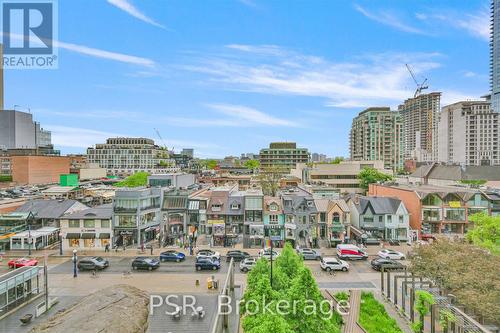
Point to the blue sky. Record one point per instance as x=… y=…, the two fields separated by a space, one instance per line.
x=228 y=76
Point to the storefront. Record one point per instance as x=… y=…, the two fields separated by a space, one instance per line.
x=39 y=239
x=290 y=230
x=19 y=286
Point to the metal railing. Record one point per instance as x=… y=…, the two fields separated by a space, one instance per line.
x=222 y=318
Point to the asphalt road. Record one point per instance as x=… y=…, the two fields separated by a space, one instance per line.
x=122 y=265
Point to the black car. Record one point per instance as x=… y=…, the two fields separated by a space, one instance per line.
x=92 y=263
x=237 y=255
x=145 y=263
x=388 y=264
x=207 y=263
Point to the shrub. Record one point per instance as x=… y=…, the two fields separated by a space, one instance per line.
x=373 y=317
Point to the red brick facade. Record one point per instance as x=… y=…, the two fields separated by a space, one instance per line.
x=39 y=169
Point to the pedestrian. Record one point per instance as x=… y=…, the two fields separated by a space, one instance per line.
x=106 y=248
x=142 y=246
x=151 y=247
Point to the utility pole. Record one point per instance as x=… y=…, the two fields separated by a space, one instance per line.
x=46 y=283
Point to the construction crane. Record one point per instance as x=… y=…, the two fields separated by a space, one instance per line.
x=420 y=86
x=161 y=139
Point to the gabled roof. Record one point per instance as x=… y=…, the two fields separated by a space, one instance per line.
x=340 y=203
x=457 y=173
x=379 y=205
x=50 y=209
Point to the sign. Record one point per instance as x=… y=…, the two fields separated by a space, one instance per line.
x=275 y=238
x=215 y=222
x=454 y=204
x=290 y=226
x=125 y=233
x=29 y=30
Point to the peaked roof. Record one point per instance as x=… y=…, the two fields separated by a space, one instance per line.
x=50 y=209
x=380 y=205
x=457 y=173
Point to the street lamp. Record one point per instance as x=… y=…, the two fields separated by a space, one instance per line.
x=75 y=258
x=60 y=243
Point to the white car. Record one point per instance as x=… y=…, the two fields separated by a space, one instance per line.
x=391 y=254
x=266 y=253
x=333 y=264
x=208 y=254
x=247 y=264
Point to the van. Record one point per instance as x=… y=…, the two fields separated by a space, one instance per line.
x=351 y=252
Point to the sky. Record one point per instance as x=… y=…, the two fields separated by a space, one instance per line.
x=227 y=77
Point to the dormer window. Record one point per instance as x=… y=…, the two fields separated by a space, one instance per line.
x=216 y=207
x=273 y=207
x=310 y=204
x=235 y=206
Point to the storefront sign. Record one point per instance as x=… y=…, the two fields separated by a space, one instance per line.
x=290 y=226
x=215 y=222
x=125 y=233
x=455 y=204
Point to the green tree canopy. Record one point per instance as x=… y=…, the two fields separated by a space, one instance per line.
x=485 y=232
x=211 y=164
x=135 y=180
x=464 y=270
x=252 y=164
x=369 y=176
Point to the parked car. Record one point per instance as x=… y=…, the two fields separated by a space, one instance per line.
x=145 y=263
x=208 y=254
x=92 y=263
x=172 y=255
x=351 y=252
x=388 y=264
x=207 y=263
x=391 y=254
x=247 y=264
x=237 y=255
x=266 y=253
x=22 y=262
x=333 y=264
x=309 y=254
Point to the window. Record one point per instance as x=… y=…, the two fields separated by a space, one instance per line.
x=74 y=242
x=336 y=217
x=273 y=218
x=368 y=219
x=380 y=219
x=89 y=223
x=389 y=218
x=273 y=207
x=455 y=214
x=216 y=207
x=105 y=223
x=431 y=214
x=401 y=219
x=74 y=223
x=235 y=206
x=431 y=200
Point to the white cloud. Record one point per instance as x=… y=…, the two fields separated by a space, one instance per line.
x=232 y=116
x=129 y=8
x=379 y=79
x=389 y=19
x=120 y=57
x=476 y=24
x=77 y=137
x=93 y=52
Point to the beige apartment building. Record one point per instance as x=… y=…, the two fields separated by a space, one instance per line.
x=468 y=134
x=343 y=176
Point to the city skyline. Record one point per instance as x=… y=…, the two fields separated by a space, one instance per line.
x=206 y=80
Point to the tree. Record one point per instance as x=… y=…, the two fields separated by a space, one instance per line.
x=211 y=164
x=269 y=179
x=266 y=323
x=423 y=305
x=486 y=232
x=337 y=160
x=464 y=270
x=252 y=164
x=369 y=176
x=135 y=180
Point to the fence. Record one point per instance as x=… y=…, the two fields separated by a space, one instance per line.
x=399 y=288
x=224 y=319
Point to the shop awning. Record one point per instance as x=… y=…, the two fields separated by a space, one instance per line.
x=72 y=235
x=88 y=235
x=104 y=235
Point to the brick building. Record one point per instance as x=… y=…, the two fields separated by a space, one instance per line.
x=39 y=169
